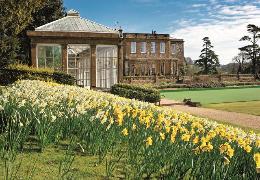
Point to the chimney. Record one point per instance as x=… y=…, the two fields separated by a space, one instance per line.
x=120 y=32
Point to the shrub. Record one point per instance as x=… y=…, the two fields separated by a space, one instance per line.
x=16 y=72
x=137 y=92
x=211 y=84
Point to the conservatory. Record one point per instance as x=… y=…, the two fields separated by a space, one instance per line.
x=89 y=51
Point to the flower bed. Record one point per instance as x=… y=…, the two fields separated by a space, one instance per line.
x=147 y=141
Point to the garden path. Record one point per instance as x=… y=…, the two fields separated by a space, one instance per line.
x=239 y=119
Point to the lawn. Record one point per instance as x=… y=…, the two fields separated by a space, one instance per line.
x=47 y=164
x=251 y=107
x=215 y=96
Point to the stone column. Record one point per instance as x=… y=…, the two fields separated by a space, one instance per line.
x=64 y=51
x=120 y=63
x=93 y=69
x=33 y=54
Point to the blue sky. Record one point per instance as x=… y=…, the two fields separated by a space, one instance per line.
x=224 y=21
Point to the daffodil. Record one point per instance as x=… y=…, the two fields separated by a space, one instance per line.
x=125 y=132
x=195 y=140
x=149 y=141
x=247 y=148
x=257 y=159
x=162 y=135
x=134 y=127
x=185 y=137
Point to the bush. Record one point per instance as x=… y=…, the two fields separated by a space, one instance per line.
x=16 y=72
x=207 y=85
x=136 y=92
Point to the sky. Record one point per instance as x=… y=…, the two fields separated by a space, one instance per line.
x=223 y=21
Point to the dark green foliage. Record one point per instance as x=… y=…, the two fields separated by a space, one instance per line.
x=136 y=92
x=208 y=61
x=19 y=16
x=9 y=75
x=252 y=50
x=15 y=17
x=51 y=10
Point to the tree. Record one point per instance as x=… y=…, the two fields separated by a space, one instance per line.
x=15 y=16
x=208 y=61
x=252 y=50
x=240 y=60
x=191 y=69
x=50 y=10
x=18 y=16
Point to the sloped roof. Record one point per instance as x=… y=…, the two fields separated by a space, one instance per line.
x=74 y=23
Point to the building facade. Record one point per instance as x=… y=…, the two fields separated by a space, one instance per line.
x=151 y=57
x=99 y=56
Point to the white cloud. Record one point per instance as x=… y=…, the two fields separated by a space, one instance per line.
x=225 y=26
x=199 y=5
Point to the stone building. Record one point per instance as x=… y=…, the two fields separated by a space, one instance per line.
x=99 y=56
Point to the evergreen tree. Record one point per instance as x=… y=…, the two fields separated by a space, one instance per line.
x=208 y=61
x=253 y=49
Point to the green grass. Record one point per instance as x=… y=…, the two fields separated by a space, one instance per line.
x=210 y=96
x=45 y=165
x=252 y=107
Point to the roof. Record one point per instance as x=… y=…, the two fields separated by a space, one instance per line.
x=74 y=23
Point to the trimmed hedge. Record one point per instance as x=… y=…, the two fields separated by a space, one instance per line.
x=207 y=85
x=13 y=73
x=136 y=92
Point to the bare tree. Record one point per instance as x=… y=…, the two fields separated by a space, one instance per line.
x=240 y=60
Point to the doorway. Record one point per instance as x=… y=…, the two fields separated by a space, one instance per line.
x=107 y=66
x=79 y=62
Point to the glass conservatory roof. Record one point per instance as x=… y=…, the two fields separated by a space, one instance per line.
x=74 y=23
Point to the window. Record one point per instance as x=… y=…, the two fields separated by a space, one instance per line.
x=127 y=68
x=49 y=56
x=153 y=69
x=174 y=49
x=153 y=47
x=162 y=47
x=163 y=69
x=133 y=47
x=143 y=47
x=143 y=69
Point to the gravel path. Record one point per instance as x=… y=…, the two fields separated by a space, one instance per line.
x=240 y=119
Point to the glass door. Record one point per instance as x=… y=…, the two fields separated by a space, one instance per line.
x=107 y=67
x=79 y=59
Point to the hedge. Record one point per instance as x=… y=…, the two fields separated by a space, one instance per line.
x=137 y=92
x=16 y=72
x=206 y=85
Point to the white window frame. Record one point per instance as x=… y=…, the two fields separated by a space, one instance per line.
x=108 y=83
x=133 y=47
x=143 y=47
x=153 y=47
x=51 y=45
x=88 y=78
x=162 y=47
